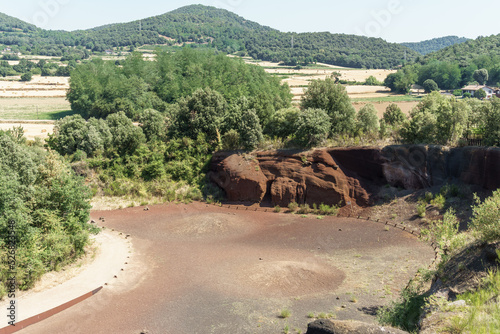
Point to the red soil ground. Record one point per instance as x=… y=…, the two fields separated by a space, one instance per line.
x=207 y=269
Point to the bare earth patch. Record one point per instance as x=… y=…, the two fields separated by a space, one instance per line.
x=209 y=269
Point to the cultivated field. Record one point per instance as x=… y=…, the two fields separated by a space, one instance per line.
x=38 y=87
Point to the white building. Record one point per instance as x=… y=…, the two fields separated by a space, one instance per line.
x=472 y=89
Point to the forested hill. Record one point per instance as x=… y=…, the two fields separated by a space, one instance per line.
x=11 y=24
x=435 y=44
x=472 y=49
x=206 y=26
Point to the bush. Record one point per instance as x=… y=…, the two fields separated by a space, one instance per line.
x=27 y=76
x=292 y=206
x=439 y=201
x=421 y=209
x=457 y=92
x=485 y=223
x=304 y=209
x=404 y=313
x=327 y=210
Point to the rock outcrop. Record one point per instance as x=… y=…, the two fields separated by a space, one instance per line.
x=348 y=327
x=349 y=175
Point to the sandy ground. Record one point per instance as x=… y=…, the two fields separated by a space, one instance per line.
x=57 y=288
x=32 y=129
x=208 y=269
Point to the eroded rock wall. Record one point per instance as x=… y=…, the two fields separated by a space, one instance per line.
x=349 y=175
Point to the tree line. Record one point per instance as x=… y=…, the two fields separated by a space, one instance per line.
x=47 y=206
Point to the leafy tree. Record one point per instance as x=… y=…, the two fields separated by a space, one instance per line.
x=481 y=76
x=153 y=125
x=201 y=113
x=430 y=86
x=480 y=94
x=313 y=127
x=284 y=122
x=402 y=81
x=367 y=120
x=490 y=114
x=250 y=130
x=485 y=222
x=393 y=115
x=26 y=76
x=437 y=119
x=126 y=136
x=372 y=81
x=244 y=120
x=332 y=98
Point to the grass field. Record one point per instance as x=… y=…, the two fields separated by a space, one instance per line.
x=34 y=108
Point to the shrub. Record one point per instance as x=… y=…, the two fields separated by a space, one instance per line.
x=485 y=222
x=421 y=209
x=285 y=313
x=277 y=209
x=304 y=209
x=327 y=210
x=293 y=206
x=231 y=140
x=439 y=201
x=26 y=76
x=404 y=313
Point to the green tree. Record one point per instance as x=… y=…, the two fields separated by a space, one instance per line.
x=126 y=136
x=202 y=113
x=393 y=115
x=480 y=94
x=284 y=122
x=491 y=116
x=154 y=125
x=367 y=120
x=332 y=98
x=313 y=127
x=485 y=222
x=430 y=86
x=26 y=76
x=481 y=76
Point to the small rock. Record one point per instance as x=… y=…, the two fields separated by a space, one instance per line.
x=459 y=303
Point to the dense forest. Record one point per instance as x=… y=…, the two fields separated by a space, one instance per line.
x=207 y=26
x=435 y=44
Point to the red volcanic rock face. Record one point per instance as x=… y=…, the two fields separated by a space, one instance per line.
x=350 y=175
x=240 y=178
x=312 y=177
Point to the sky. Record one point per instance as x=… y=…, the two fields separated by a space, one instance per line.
x=393 y=20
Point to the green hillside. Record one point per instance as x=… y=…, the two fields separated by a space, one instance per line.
x=435 y=44
x=470 y=50
x=203 y=26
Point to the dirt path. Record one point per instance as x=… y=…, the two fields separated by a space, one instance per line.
x=58 y=288
x=217 y=270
